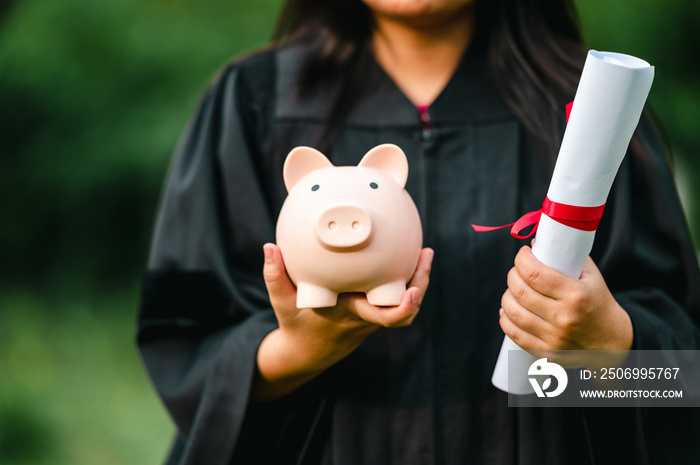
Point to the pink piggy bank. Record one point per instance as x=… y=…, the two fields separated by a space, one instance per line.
x=348 y=228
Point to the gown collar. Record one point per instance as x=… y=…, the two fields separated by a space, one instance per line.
x=469 y=96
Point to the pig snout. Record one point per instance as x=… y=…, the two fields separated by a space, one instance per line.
x=343 y=227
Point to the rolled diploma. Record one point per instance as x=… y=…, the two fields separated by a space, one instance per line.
x=606 y=110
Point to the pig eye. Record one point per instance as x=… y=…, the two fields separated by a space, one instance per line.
x=315 y=187
x=373 y=185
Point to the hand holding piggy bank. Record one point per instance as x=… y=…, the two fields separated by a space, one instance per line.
x=348 y=228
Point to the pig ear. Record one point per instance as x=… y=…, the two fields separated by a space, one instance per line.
x=300 y=162
x=389 y=158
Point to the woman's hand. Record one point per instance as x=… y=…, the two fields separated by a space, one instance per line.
x=545 y=310
x=308 y=341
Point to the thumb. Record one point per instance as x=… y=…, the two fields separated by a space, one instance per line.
x=590 y=270
x=279 y=287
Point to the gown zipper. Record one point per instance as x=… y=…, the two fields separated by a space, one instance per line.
x=427 y=143
x=426 y=129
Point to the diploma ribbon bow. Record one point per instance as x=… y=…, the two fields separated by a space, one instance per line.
x=581 y=218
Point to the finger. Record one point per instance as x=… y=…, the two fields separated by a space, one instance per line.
x=421 y=277
x=524 y=339
x=407 y=310
x=542 y=278
x=529 y=298
x=413 y=298
x=280 y=288
x=591 y=271
x=522 y=317
x=401 y=315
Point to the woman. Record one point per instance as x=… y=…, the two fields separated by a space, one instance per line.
x=474 y=93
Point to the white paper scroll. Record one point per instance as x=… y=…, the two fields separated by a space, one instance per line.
x=606 y=110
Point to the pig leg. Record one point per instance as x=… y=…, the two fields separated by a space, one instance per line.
x=313 y=296
x=388 y=294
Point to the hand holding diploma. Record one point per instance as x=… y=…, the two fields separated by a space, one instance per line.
x=545 y=310
x=556 y=297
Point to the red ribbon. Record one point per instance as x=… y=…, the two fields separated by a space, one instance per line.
x=581 y=218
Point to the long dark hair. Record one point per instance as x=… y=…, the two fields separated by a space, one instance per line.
x=337 y=32
x=533 y=51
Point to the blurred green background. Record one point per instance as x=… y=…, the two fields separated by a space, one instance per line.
x=93 y=97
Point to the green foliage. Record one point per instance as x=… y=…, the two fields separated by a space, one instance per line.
x=72 y=390
x=93 y=98
x=666 y=34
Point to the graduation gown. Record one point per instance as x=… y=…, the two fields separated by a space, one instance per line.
x=415 y=395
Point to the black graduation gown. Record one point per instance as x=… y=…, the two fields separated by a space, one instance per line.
x=416 y=395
